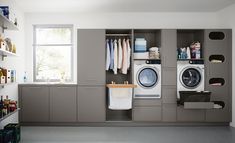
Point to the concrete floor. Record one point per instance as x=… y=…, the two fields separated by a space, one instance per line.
x=204 y=134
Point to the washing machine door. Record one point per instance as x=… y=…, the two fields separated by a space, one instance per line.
x=147 y=77
x=191 y=78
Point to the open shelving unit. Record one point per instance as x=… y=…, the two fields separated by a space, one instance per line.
x=5 y=23
x=9 y=114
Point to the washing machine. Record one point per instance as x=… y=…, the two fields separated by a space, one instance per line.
x=147 y=77
x=190 y=76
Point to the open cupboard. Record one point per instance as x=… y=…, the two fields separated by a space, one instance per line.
x=92 y=93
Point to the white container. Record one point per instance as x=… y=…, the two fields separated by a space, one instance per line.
x=141 y=55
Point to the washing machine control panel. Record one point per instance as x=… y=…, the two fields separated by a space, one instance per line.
x=153 y=62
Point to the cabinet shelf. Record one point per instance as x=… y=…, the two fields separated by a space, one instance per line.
x=190 y=59
x=8 y=115
x=6 y=23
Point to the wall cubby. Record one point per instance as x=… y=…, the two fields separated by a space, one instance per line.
x=153 y=37
x=119 y=78
x=186 y=37
x=217 y=81
x=216 y=58
x=216 y=35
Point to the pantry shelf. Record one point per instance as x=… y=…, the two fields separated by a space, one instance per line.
x=4 y=84
x=5 y=23
x=8 y=115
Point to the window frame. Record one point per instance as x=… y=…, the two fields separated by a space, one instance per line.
x=70 y=26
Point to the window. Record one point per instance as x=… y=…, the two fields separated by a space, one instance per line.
x=53 y=48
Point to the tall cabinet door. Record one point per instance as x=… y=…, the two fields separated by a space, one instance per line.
x=35 y=104
x=63 y=104
x=91 y=56
x=218 y=46
x=91 y=104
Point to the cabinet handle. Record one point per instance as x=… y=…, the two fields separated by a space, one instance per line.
x=62 y=87
x=35 y=87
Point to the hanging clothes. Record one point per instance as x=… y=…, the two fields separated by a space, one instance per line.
x=128 y=53
x=124 y=55
x=111 y=54
x=115 y=53
x=107 y=55
x=119 y=53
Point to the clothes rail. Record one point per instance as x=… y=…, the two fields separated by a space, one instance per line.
x=118 y=34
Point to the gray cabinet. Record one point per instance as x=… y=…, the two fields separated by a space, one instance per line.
x=168 y=47
x=169 y=94
x=218 y=42
x=91 y=104
x=169 y=112
x=34 y=104
x=169 y=76
x=91 y=57
x=147 y=110
x=63 y=104
x=190 y=115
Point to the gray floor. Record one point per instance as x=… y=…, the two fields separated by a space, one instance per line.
x=128 y=135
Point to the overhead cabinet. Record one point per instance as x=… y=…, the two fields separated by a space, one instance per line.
x=91 y=57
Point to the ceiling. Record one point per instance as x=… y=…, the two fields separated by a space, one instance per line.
x=123 y=5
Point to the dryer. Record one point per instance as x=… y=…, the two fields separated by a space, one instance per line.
x=190 y=76
x=147 y=77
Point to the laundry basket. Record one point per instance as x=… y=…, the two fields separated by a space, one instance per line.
x=120 y=96
x=194 y=96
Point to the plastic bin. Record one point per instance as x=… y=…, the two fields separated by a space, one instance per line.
x=15 y=128
x=6 y=136
x=194 y=96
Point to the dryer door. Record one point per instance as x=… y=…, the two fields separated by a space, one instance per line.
x=147 y=77
x=191 y=78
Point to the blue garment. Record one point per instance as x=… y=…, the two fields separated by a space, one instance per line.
x=111 y=54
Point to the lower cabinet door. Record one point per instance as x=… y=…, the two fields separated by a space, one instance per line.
x=189 y=115
x=151 y=113
x=63 y=104
x=91 y=104
x=34 y=104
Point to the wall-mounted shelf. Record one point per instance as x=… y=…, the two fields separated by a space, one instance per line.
x=8 y=115
x=5 y=53
x=5 y=23
x=4 y=84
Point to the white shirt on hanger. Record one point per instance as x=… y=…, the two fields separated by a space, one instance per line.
x=119 y=54
x=115 y=55
x=107 y=55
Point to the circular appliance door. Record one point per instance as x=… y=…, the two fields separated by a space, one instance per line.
x=147 y=77
x=191 y=78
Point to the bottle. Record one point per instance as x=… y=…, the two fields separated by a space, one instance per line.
x=188 y=53
x=25 y=77
x=6 y=103
x=1 y=107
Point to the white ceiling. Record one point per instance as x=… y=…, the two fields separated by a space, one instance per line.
x=123 y=5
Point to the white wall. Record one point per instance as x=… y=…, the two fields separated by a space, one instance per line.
x=17 y=63
x=113 y=20
x=227 y=19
